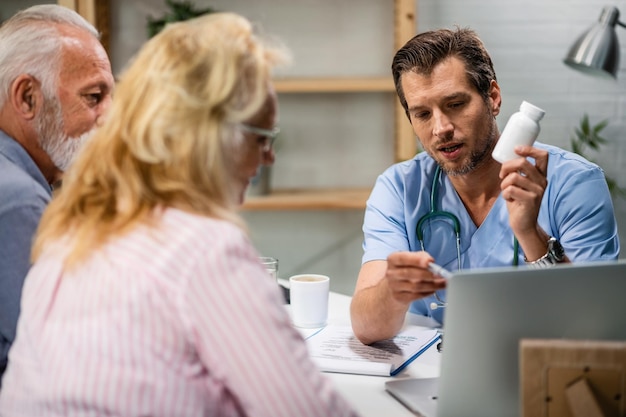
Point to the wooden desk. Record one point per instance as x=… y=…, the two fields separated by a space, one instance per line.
x=367 y=393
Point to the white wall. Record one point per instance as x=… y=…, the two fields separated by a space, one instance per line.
x=343 y=139
x=9 y=7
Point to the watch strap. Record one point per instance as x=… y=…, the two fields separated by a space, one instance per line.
x=553 y=256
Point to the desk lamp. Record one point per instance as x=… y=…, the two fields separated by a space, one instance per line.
x=596 y=51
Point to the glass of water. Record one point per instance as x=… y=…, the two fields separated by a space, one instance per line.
x=271 y=264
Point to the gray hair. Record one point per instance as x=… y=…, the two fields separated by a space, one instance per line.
x=31 y=44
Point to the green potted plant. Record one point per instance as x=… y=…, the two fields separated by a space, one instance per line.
x=587 y=136
x=178 y=11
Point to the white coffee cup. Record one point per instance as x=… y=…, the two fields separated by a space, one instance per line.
x=309 y=300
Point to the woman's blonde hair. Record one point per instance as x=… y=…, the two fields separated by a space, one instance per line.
x=171 y=138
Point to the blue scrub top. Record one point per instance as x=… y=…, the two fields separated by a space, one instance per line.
x=586 y=227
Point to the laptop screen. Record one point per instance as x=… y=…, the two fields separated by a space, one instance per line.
x=490 y=310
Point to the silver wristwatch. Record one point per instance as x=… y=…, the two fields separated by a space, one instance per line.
x=555 y=255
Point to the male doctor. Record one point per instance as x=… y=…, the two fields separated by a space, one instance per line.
x=454 y=205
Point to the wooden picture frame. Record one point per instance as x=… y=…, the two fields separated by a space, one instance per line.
x=572 y=378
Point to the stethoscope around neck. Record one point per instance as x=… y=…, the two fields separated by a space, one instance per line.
x=456 y=226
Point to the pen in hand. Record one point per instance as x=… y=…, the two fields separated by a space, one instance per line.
x=439 y=270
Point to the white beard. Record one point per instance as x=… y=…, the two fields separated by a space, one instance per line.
x=59 y=147
x=63 y=150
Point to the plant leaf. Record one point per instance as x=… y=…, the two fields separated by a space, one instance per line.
x=586 y=135
x=179 y=11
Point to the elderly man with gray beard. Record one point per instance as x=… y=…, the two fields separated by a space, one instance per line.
x=55 y=85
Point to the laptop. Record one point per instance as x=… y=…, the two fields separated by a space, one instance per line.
x=490 y=310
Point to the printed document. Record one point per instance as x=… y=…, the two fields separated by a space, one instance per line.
x=335 y=349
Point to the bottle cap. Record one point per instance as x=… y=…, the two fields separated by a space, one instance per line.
x=532 y=111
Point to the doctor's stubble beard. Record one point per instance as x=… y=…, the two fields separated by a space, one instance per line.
x=478 y=156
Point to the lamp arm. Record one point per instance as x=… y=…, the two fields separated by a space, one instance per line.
x=621 y=24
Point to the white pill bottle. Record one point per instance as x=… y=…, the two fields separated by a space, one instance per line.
x=521 y=129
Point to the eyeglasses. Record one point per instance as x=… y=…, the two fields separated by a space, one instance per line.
x=269 y=136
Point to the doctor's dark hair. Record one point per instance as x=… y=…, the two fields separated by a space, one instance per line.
x=428 y=49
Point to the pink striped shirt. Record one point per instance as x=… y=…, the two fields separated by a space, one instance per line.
x=179 y=320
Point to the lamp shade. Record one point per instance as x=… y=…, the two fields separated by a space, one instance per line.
x=596 y=51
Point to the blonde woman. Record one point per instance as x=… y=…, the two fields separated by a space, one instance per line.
x=146 y=297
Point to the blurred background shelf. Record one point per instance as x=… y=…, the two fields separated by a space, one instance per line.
x=334 y=85
x=327 y=199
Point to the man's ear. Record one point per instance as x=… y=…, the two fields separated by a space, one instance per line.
x=25 y=96
x=495 y=97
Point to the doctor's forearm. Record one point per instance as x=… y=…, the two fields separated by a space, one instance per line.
x=375 y=314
